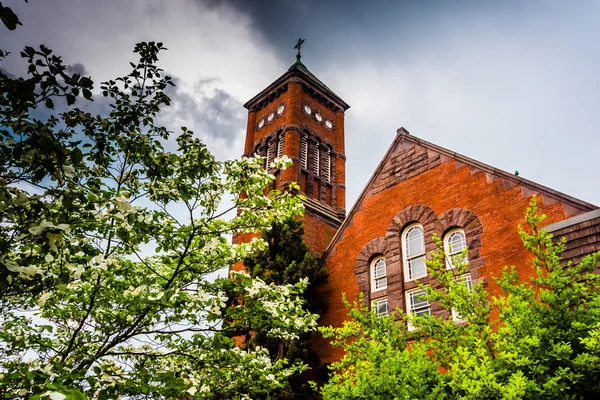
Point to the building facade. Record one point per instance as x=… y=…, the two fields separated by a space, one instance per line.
x=419 y=189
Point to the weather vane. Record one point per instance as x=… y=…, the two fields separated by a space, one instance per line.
x=298 y=46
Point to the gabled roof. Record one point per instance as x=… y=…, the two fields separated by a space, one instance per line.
x=298 y=69
x=404 y=135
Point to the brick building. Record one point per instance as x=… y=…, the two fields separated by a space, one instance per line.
x=379 y=246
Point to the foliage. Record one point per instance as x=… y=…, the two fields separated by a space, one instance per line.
x=106 y=241
x=544 y=343
x=287 y=259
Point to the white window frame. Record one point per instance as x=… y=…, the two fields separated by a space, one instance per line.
x=410 y=309
x=468 y=281
x=452 y=252
x=304 y=151
x=406 y=259
x=375 y=305
x=375 y=279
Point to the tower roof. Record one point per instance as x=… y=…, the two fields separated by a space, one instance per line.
x=310 y=82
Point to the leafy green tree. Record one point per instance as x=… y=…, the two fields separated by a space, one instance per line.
x=106 y=240
x=545 y=343
x=287 y=259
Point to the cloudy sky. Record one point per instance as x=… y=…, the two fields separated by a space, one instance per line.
x=515 y=84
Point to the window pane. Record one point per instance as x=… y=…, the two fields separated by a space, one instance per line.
x=414 y=242
x=380 y=283
x=457 y=242
x=381 y=307
x=417 y=268
x=379 y=268
x=419 y=306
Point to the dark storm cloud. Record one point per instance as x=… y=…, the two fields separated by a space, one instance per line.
x=207 y=109
x=77 y=68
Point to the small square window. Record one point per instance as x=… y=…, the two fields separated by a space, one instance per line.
x=417 y=304
x=466 y=279
x=380 y=306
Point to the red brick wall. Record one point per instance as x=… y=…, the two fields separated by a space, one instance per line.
x=413 y=176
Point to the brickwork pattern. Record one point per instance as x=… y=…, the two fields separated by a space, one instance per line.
x=420 y=184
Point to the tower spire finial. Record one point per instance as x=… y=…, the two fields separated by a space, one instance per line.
x=298 y=46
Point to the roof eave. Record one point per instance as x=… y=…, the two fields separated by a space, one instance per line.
x=319 y=86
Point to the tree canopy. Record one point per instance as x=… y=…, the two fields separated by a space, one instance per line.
x=107 y=239
x=544 y=344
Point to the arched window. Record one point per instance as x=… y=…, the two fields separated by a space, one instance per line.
x=413 y=248
x=304 y=151
x=378 y=274
x=455 y=242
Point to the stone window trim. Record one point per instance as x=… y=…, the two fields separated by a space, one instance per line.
x=470 y=224
x=362 y=269
x=390 y=247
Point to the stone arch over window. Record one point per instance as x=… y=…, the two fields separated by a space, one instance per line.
x=427 y=219
x=362 y=267
x=470 y=223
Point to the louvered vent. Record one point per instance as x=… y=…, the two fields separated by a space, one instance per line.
x=316 y=159
x=270 y=154
x=328 y=165
x=280 y=146
x=304 y=151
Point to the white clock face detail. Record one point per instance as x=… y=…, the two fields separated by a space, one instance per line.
x=307 y=110
x=261 y=123
x=329 y=124
x=280 y=110
x=270 y=117
x=318 y=117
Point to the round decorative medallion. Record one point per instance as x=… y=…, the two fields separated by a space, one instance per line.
x=328 y=124
x=261 y=123
x=270 y=117
x=318 y=117
x=280 y=109
x=307 y=110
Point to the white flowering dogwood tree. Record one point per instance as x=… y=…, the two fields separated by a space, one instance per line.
x=106 y=241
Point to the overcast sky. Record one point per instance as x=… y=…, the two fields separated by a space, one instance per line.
x=515 y=84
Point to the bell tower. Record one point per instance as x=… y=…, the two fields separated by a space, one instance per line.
x=299 y=116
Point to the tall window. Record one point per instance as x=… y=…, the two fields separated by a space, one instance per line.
x=304 y=151
x=280 y=146
x=270 y=153
x=468 y=282
x=380 y=306
x=378 y=274
x=417 y=304
x=316 y=155
x=328 y=165
x=454 y=244
x=413 y=247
